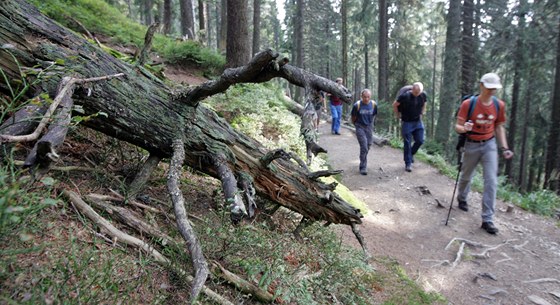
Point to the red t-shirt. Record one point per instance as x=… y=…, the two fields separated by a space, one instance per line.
x=484 y=117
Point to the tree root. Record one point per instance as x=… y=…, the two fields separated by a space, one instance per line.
x=127 y=239
x=458 y=256
x=199 y=262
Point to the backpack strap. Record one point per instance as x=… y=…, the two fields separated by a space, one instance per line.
x=473 y=103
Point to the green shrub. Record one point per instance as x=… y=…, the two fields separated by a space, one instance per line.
x=100 y=18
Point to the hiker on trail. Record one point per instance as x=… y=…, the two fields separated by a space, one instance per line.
x=336 y=110
x=363 y=116
x=483 y=127
x=409 y=107
x=320 y=106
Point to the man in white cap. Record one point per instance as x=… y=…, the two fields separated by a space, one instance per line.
x=486 y=135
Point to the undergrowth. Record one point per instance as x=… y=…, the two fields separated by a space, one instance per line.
x=101 y=18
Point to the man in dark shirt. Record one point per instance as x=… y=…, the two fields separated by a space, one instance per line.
x=409 y=107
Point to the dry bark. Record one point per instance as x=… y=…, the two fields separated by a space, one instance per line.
x=140 y=109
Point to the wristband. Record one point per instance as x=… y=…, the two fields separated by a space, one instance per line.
x=504 y=149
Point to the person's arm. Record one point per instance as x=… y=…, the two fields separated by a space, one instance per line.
x=502 y=141
x=396 y=109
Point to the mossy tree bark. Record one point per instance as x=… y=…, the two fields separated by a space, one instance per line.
x=146 y=112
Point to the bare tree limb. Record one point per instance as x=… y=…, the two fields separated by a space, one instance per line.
x=67 y=87
x=273 y=155
x=362 y=241
x=135 y=242
x=199 y=262
x=241 y=284
x=324 y=173
x=262 y=68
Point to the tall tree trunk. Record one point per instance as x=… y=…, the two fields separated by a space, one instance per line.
x=344 y=12
x=167 y=16
x=202 y=20
x=433 y=106
x=298 y=52
x=187 y=19
x=148 y=12
x=524 y=152
x=519 y=63
x=238 y=48
x=450 y=87
x=552 y=170
x=366 y=65
x=468 y=49
x=383 y=72
x=256 y=26
x=222 y=26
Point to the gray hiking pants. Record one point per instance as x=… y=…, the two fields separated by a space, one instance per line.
x=485 y=153
x=364 y=134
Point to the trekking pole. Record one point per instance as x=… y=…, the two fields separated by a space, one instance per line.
x=461 y=151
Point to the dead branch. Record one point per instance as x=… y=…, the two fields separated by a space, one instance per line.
x=147 y=43
x=131 y=219
x=199 y=262
x=135 y=242
x=67 y=86
x=298 y=160
x=466 y=241
x=324 y=173
x=70 y=168
x=262 y=68
x=112 y=230
x=143 y=176
x=241 y=284
x=362 y=242
x=121 y=198
x=273 y=155
x=88 y=34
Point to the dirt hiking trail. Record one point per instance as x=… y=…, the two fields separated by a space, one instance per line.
x=519 y=265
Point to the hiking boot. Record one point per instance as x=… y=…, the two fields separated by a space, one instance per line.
x=463 y=206
x=489 y=227
x=363 y=172
x=408 y=168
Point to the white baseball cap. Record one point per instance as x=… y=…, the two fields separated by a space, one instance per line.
x=491 y=81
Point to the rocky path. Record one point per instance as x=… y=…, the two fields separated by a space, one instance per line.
x=519 y=265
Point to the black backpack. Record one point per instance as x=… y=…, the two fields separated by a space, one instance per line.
x=473 y=98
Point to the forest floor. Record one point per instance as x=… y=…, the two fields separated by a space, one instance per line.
x=519 y=265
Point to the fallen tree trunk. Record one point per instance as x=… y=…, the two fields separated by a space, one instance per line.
x=144 y=111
